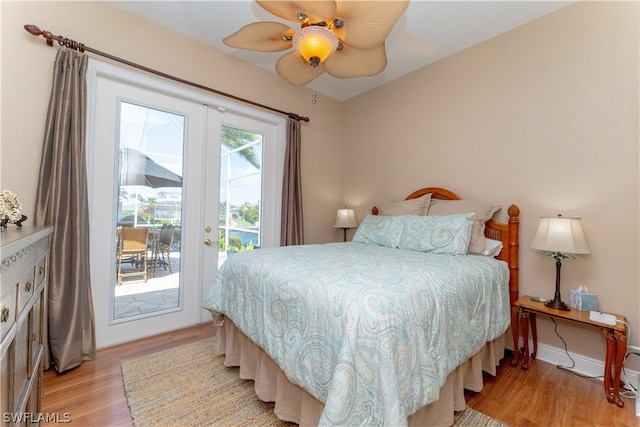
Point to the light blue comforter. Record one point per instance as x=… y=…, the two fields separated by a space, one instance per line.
x=371 y=332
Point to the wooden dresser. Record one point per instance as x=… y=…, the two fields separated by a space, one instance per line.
x=24 y=275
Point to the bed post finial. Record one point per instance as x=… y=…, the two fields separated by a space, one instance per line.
x=513 y=225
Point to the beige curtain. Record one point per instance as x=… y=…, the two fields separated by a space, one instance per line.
x=291 y=230
x=62 y=202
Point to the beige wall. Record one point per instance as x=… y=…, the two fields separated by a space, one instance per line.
x=545 y=116
x=26 y=81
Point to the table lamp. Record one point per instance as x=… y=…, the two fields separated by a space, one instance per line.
x=560 y=237
x=345 y=219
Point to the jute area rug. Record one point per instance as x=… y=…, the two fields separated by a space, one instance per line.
x=188 y=386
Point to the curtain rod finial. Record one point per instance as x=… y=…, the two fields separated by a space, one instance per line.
x=33 y=29
x=297 y=117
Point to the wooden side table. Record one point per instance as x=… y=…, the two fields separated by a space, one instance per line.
x=615 y=335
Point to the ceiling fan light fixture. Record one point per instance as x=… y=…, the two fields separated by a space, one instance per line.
x=315 y=43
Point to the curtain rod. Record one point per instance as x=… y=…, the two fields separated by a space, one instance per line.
x=72 y=44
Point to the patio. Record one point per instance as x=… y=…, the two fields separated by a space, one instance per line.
x=135 y=298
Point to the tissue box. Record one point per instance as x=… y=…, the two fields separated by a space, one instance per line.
x=583 y=301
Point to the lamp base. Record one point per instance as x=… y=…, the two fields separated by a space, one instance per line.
x=557 y=304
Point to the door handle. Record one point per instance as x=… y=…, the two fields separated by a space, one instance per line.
x=207 y=242
x=207 y=229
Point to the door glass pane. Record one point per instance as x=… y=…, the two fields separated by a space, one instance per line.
x=149 y=216
x=240 y=191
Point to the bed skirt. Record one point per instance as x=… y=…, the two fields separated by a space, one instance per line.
x=294 y=404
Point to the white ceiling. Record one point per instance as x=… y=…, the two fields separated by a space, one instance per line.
x=429 y=31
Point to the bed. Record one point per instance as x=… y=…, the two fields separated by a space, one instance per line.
x=373 y=334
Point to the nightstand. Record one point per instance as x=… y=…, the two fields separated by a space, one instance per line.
x=615 y=335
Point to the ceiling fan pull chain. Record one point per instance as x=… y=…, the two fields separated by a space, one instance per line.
x=314 y=95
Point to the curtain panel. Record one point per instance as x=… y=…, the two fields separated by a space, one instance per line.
x=291 y=229
x=62 y=201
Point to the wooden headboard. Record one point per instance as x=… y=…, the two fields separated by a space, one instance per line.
x=507 y=233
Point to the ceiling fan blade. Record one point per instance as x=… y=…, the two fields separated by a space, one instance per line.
x=353 y=62
x=368 y=23
x=316 y=11
x=296 y=70
x=261 y=36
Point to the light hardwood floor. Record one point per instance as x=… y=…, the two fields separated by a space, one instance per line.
x=92 y=394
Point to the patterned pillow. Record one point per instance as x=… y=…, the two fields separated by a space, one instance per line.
x=484 y=213
x=379 y=230
x=418 y=206
x=448 y=235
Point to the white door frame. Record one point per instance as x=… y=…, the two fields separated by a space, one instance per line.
x=201 y=195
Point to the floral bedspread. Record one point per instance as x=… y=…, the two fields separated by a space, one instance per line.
x=371 y=332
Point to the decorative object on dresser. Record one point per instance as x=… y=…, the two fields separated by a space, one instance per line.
x=345 y=219
x=24 y=276
x=10 y=210
x=560 y=237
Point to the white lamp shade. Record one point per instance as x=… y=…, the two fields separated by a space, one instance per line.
x=559 y=234
x=345 y=218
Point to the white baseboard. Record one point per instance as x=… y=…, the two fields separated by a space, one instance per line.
x=583 y=365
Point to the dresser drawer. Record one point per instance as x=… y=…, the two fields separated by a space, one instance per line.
x=26 y=287
x=8 y=305
x=41 y=270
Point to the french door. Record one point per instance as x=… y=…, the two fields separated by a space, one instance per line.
x=187 y=172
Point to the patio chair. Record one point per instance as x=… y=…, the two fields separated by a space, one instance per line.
x=165 y=241
x=132 y=248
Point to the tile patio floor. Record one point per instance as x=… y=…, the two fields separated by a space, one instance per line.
x=134 y=297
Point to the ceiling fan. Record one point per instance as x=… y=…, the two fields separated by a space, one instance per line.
x=344 y=38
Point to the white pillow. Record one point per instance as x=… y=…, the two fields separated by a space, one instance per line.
x=492 y=249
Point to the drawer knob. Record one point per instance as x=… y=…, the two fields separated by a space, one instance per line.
x=28 y=286
x=41 y=270
x=4 y=316
x=34 y=337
